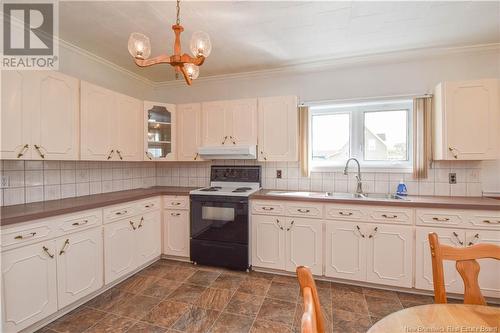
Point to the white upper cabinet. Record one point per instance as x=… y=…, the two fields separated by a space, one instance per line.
x=188 y=131
x=111 y=125
x=229 y=122
x=159 y=131
x=278 y=129
x=40 y=116
x=466 y=120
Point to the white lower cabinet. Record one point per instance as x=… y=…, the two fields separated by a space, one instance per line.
x=489 y=274
x=268 y=242
x=390 y=255
x=79 y=265
x=176 y=233
x=345 y=250
x=304 y=244
x=148 y=238
x=29 y=285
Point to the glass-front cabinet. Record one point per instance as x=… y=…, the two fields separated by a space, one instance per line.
x=159 y=131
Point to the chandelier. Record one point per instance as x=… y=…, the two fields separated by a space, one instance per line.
x=139 y=47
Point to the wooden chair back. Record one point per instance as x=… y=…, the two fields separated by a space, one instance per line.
x=312 y=318
x=466 y=265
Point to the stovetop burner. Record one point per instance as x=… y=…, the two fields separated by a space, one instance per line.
x=211 y=189
x=242 y=189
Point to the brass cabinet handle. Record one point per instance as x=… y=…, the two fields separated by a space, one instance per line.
x=46 y=250
x=148 y=155
x=300 y=210
x=30 y=235
x=196 y=156
x=472 y=242
x=175 y=214
x=389 y=216
x=37 y=147
x=175 y=203
x=458 y=239
x=374 y=232
x=66 y=243
x=233 y=140
x=291 y=225
x=121 y=212
x=441 y=219
x=119 y=154
x=132 y=224
x=345 y=214
x=359 y=230
x=491 y=222
x=279 y=224
x=454 y=152
x=263 y=155
x=149 y=206
x=84 y=222
x=267 y=208
x=224 y=141
x=23 y=150
x=140 y=223
x=110 y=154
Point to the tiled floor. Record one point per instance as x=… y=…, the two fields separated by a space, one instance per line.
x=174 y=297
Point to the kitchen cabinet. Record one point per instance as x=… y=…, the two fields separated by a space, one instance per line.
x=29 y=285
x=304 y=244
x=40 y=116
x=79 y=265
x=159 y=131
x=268 y=242
x=110 y=127
x=188 y=131
x=231 y=122
x=176 y=233
x=466 y=119
x=345 y=250
x=119 y=249
x=489 y=280
x=148 y=238
x=278 y=129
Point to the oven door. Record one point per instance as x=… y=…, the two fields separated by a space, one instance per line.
x=219 y=219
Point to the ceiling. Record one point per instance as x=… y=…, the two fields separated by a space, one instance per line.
x=262 y=35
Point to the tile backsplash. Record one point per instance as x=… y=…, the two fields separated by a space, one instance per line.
x=32 y=181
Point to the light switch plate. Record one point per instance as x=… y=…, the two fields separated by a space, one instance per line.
x=5 y=182
x=452 y=178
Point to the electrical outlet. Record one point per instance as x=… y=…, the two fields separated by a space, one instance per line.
x=278 y=174
x=452 y=178
x=5 y=182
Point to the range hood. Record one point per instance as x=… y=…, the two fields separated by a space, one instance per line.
x=229 y=152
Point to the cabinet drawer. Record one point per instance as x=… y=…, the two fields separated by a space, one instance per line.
x=484 y=220
x=175 y=202
x=343 y=212
x=117 y=212
x=28 y=233
x=391 y=215
x=304 y=209
x=439 y=217
x=148 y=205
x=268 y=207
x=80 y=221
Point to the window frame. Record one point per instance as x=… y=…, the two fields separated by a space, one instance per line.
x=356 y=111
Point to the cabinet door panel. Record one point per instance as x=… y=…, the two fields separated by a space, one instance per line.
x=96 y=122
x=127 y=129
x=160 y=130
x=148 y=237
x=215 y=123
x=15 y=119
x=345 y=250
x=80 y=266
x=29 y=286
x=189 y=131
x=176 y=233
x=244 y=121
x=304 y=238
x=390 y=255
x=268 y=242
x=489 y=274
x=278 y=129
x=423 y=268
x=56 y=127
x=119 y=250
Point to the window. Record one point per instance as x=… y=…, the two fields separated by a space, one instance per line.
x=377 y=133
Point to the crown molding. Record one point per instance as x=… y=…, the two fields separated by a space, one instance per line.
x=343 y=61
x=102 y=61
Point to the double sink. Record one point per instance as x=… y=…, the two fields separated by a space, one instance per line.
x=345 y=196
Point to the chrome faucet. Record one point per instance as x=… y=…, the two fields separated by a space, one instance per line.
x=359 y=188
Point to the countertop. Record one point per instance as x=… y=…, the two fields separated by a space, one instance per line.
x=37 y=210
x=413 y=201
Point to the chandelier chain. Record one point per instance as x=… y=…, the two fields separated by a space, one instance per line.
x=178 y=7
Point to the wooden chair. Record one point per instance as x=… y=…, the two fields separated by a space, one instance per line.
x=312 y=318
x=466 y=265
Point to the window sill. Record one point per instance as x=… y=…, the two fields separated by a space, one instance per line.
x=380 y=169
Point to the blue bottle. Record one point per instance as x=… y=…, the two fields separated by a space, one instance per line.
x=401 y=190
